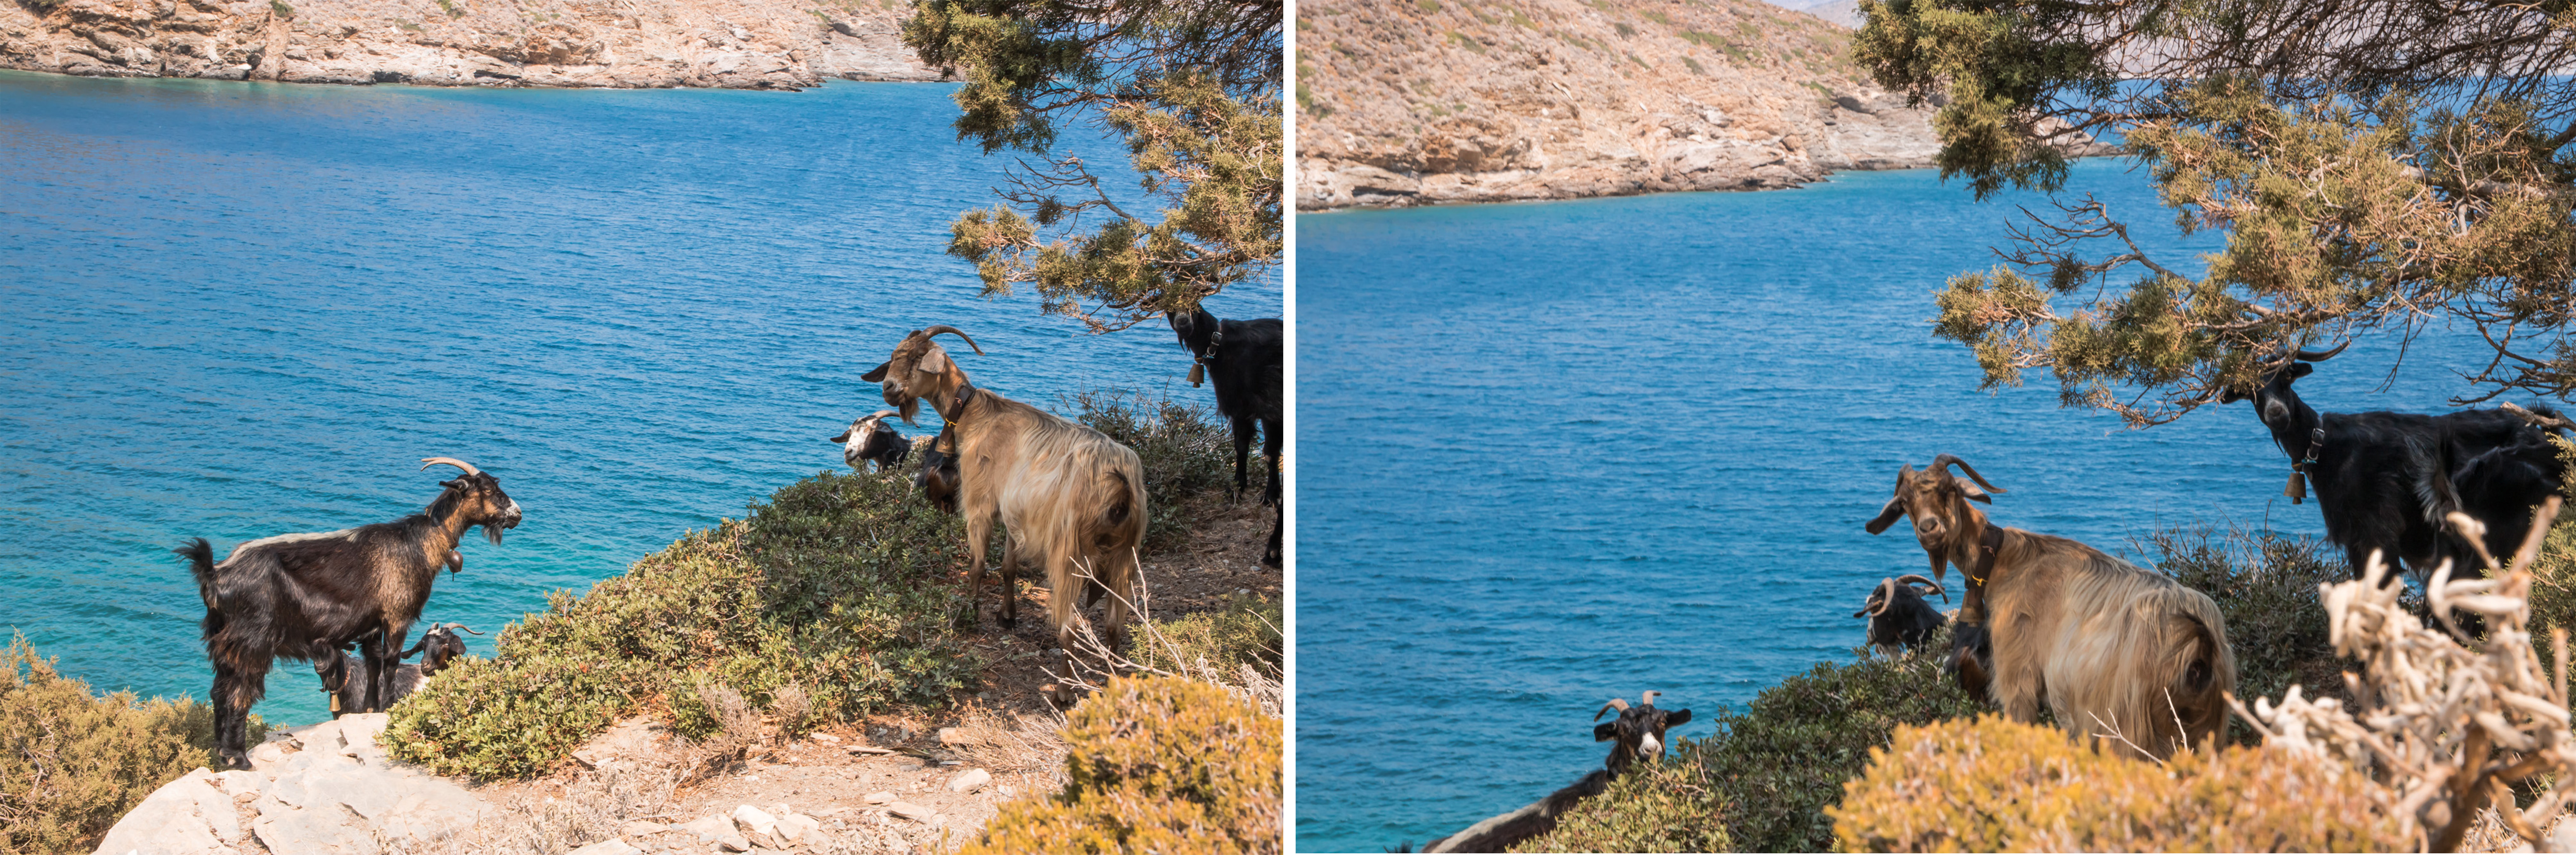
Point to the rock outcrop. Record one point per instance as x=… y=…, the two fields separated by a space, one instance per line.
x=1439 y=101
x=740 y=44
x=324 y=788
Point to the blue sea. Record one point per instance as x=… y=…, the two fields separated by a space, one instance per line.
x=1555 y=453
x=235 y=310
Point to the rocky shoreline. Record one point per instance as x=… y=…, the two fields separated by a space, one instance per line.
x=1521 y=100
x=631 y=44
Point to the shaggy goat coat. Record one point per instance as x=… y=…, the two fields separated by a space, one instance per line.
x=2111 y=648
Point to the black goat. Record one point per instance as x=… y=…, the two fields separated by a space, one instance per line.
x=938 y=479
x=1243 y=360
x=440 y=645
x=1638 y=729
x=1898 y=614
x=2385 y=481
x=307 y=596
x=870 y=440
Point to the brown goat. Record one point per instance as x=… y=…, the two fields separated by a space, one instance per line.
x=307 y=596
x=1069 y=497
x=2111 y=648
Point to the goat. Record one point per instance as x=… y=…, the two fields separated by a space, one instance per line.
x=1068 y=495
x=938 y=478
x=2104 y=643
x=1640 y=734
x=1898 y=614
x=306 y=596
x=1639 y=731
x=1243 y=360
x=2386 y=481
x=868 y=439
x=437 y=647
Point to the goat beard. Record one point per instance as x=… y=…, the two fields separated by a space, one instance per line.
x=491 y=533
x=909 y=408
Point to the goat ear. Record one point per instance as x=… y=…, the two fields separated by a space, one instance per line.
x=1604 y=731
x=934 y=362
x=1887 y=516
x=1677 y=718
x=877 y=374
x=2300 y=369
x=1971 y=489
x=844 y=437
x=1863 y=612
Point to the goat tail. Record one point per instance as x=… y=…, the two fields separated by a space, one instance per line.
x=1121 y=522
x=201 y=562
x=2198 y=670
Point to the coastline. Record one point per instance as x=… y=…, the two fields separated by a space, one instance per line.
x=651 y=44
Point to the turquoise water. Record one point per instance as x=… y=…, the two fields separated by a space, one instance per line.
x=1555 y=453
x=235 y=310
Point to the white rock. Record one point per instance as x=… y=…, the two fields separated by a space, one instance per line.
x=969 y=780
x=733 y=843
x=710 y=826
x=910 y=811
x=757 y=826
x=796 y=826
x=190 y=815
x=882 y=797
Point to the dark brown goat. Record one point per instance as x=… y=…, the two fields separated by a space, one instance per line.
x=1243 y=360
x=304 y=597
x=1638 y=729
x=437 y=647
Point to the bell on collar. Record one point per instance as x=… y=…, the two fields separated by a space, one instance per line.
x=1198 y=372
x=2298 y=487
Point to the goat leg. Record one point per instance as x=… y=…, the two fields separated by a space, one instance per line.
x=1270 y=556
x=1242 y=458
x=1270 y=451
x=1009 y=616
x=979 y=537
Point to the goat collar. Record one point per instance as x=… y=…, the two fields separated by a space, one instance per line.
x=1216 y=337
x=957 y=403
x=1989 y=543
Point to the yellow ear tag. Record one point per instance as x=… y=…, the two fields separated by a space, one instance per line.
x=1198 y=371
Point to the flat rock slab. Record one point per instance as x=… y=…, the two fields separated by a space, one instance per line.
x=326 y=789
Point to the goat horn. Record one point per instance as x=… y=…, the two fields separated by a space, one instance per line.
x=880 y=414
x=1649 y=697
x=1879 y=599
x=1917 y=579
x=1620 y=704
x=1951 y=459
x=2314 y=356
x=427 y=462
x=944 y=328
x=465 y=628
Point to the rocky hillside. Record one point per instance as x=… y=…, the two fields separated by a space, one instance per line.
x=741 y=44
x=1428 y=101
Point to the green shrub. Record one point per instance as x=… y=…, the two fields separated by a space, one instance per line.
x=1188 y=455
x=1991 y=785
x=1762 y=781
x=1244 y=631
x=841 y=591
x=72 y=763
x=1155 y=764
x=1653 y=808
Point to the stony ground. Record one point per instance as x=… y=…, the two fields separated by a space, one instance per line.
x=890 y=784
